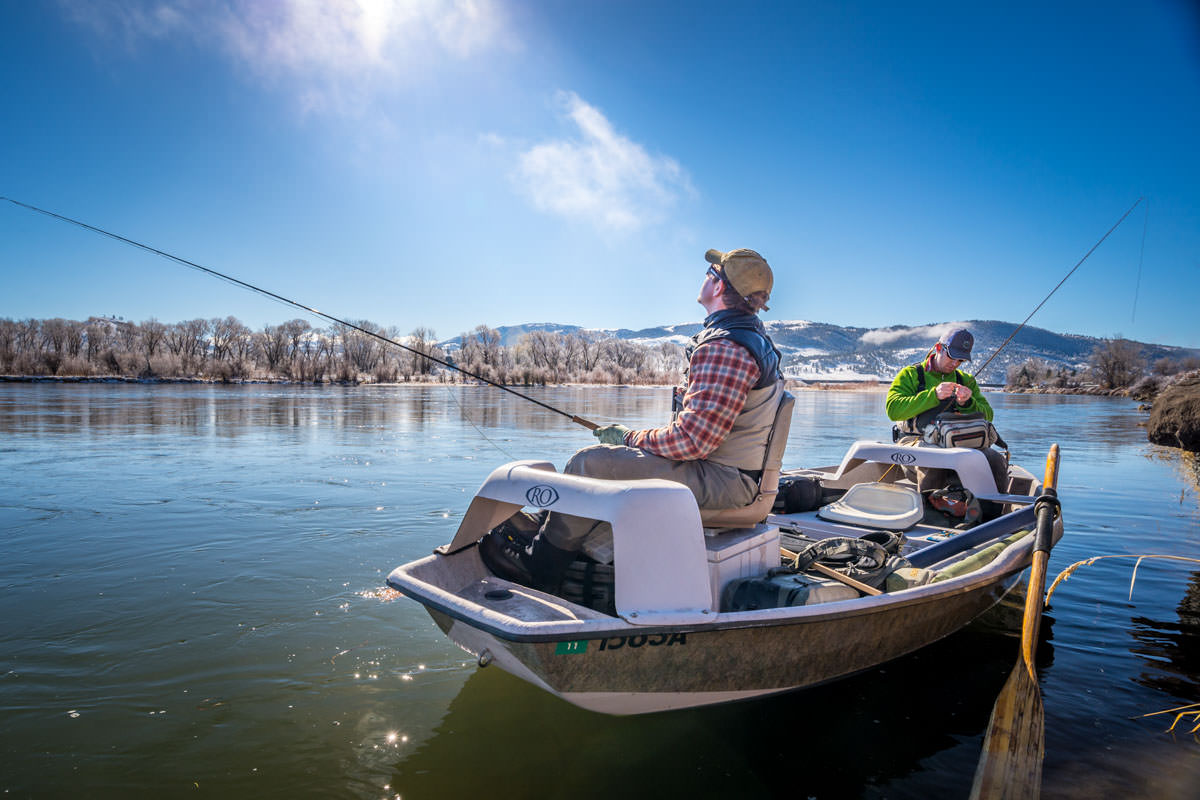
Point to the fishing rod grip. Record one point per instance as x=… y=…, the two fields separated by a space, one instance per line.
x=591 y=426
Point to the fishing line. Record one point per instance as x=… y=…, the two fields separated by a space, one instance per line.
x=1141 y=256
x=463 y=413
x=280 y=298
x=1056 y=288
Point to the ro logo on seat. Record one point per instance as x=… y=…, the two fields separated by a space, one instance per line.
x=542 y=496
x=903 y=458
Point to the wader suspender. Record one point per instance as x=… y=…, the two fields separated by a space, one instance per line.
x=909 y=427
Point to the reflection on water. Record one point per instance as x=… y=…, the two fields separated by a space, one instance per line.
x=844 y=740
x=1172 y=647
x=233 y=410
x=190 y=602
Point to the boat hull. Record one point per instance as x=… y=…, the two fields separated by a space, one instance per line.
x=671 y=643
x=639 y=671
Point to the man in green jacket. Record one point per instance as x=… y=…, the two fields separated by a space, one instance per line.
x=922 y=391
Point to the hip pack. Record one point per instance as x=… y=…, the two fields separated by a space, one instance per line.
x=952 y=429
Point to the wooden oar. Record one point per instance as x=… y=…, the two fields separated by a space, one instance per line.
x=1011 y=763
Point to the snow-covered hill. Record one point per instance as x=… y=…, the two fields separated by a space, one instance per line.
x=820 y=351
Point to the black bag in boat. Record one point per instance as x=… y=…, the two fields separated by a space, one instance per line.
x=802 y=493
x=590 y=584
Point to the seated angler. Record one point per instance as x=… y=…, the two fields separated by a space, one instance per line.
x=715 y=442
x=923 y=391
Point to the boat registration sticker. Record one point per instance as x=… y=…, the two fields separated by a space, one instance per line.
x=570 y=648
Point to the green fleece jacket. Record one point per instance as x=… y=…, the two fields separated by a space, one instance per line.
x=906 y=400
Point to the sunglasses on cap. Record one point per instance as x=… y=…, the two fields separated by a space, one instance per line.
x=712 y=271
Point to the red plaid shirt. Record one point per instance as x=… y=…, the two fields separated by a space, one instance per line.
x=720 y=376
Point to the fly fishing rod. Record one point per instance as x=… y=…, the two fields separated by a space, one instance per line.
x=280 y=298
x=1056 y=288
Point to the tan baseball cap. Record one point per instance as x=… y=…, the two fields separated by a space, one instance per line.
x=747 y=272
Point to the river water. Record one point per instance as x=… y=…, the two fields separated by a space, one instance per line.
x=192 y=604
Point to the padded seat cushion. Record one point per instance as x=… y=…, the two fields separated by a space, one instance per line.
x=876 y=505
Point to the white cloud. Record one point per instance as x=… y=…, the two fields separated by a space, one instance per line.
x=599 y=175
x=336 y=51
x=884 y=336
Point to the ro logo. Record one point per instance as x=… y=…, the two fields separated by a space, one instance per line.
x=903 y=458
x=542 y=496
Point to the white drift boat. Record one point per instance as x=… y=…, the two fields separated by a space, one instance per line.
x=670 y=643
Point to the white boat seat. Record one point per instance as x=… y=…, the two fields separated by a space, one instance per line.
x=876 y=505
x=768 y=483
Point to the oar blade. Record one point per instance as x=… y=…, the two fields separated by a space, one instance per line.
x=1010 y=765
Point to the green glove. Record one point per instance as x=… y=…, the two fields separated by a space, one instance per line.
x=611 y=434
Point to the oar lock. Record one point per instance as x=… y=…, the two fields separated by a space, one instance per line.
x=1048 y=498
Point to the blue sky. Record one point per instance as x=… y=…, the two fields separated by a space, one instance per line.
x=449 y=163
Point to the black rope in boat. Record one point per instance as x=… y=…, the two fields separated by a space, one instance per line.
x=280 y=298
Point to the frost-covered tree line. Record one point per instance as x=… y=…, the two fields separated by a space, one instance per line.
x=226 y=349
x=1114 y=364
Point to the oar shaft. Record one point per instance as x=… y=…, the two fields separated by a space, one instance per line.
x=1010 y=765
x=1046 y=508
x=1031 y=621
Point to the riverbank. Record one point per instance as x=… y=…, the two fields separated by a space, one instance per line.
x=1175 y=415
x=212 y=381
x=839 y=386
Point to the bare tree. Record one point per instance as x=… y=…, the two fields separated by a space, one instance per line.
x=313 y=357
x=28 y=332
x=243 y=347
x=225 y=335
x=273 y=344
x=544 y=350
x=360 y=352
x=424 y=341
x=584 y=350
x=8 y=342
x=626 y=355
x=127 y=334
x=97 y=336
x=1029 y=373
x=1117 y=363
x=482 y=353
x=672 y=358
x=153 y=334
x=54 y=340
x=188 y=340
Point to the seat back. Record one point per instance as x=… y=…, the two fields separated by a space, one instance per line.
x=768 y=484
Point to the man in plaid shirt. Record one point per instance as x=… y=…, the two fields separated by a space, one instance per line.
x=715 y=443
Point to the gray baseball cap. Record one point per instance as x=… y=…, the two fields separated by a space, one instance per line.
x=958 y=343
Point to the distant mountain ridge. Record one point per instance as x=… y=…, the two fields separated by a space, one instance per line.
x=821 y=351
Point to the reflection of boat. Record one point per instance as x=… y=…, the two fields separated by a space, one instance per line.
x=730 y=750
x=671 y=644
